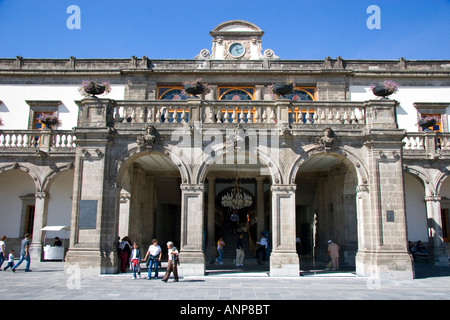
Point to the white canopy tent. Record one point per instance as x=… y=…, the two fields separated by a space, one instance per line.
x=52 y=252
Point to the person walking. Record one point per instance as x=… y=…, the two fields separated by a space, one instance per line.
x=261 y=249
x=172 y=264
x=154 y=254
x=220 y=245
x=2 y=250
x=135 y=260
x=333 y=253
x=10 y=260
x=24 y=253
x=240 y=251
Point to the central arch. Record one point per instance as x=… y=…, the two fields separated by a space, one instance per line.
x=255 y=172
x=327 y=205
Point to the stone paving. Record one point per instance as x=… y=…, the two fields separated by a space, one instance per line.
x=48 y=281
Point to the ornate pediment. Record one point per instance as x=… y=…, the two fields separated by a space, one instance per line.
x=236 y=40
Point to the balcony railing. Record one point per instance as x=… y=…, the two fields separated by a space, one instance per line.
x=426 y=142
x=58 y=139
x=249 y=112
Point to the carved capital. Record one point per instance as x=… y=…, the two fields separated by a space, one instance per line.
x=433 y=198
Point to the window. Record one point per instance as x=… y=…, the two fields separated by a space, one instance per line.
x=303 y=94
x=27 y=213
x=301 y=115
x=436 y=110
x=39 y=108
x=236 y=93
x=38 y=115
x=171 y=93
x=437 y=127
x=29 y=219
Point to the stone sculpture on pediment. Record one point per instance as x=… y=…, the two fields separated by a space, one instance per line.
x=151 y=140
x=328 y=141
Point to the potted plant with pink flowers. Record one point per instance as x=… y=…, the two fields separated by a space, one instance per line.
x=50 y=121
x=385 y=89
x=92 y=88
x=195 y=87
x=281 y=88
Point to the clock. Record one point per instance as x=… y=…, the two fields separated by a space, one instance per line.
x=237 y=50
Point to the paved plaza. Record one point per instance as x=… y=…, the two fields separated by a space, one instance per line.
x=47 y=281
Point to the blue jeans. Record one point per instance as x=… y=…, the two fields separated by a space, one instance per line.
x=152 y=261
x=219 y=258
x=136 y=269
x=23 y=257
x=2 y=258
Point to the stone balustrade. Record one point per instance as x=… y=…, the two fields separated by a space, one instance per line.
x=249 y=112
x=59 y=139
x=426 y=142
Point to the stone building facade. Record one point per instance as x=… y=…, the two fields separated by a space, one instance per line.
x=329 y=161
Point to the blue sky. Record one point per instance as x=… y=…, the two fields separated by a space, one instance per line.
x=173 y=29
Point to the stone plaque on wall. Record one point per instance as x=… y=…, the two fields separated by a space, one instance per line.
x=88 y=214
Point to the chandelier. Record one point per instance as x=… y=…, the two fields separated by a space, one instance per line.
x=236 y=199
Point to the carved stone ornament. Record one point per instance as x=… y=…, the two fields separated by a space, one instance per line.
x=149 y=139
x=286 y=130
x=204 y=54
x=270 y=54
x=328 y=140
x=238 y=138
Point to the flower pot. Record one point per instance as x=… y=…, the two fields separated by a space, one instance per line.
x=194 y=89
x=49 y=122
x=282 y=89
x=426 y=123
x=94 y=88
x=381 y=91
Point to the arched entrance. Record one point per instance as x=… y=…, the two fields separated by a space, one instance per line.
x=249 y=176
x=17 y=205
x=150 y=202
x=326 y=209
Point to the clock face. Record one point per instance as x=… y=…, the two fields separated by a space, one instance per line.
x=237 y=49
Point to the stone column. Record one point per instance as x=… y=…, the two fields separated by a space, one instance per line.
x=259 y=206
x=195 y=112
x=192 y=258
x=382 y=247
x=210 y=245
x=283 y=259
x=259 y=92
x=362 y=206
x=138 y=190
x=148 y=226
x=436 y=247
x=40 y=220
x=95 y=206
x=124 y=215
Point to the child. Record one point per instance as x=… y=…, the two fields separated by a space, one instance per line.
x=10 y=260
x=136 y=260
